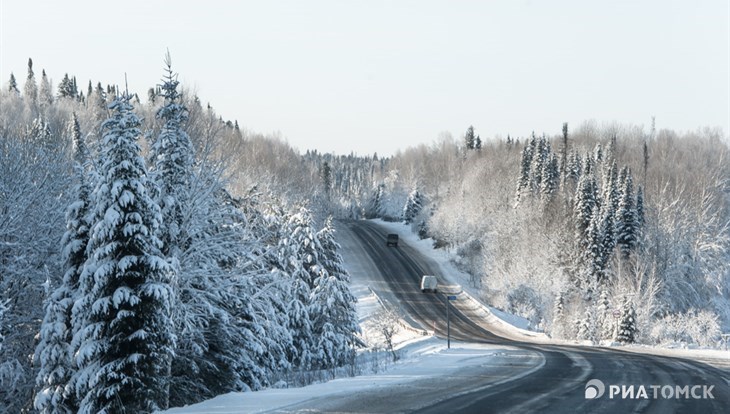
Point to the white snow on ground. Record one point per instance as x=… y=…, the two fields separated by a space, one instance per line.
x=427 y=359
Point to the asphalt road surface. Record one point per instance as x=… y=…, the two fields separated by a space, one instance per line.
x=545 y=379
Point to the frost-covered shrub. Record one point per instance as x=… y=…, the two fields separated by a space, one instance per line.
x=525 y=302
x=694 y=327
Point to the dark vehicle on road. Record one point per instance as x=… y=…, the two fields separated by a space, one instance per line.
x=392 y=240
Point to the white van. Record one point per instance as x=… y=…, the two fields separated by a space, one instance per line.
x=429 y=283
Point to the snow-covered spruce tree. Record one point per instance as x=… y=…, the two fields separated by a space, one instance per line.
x=53 y=353
x=223 y=334
x=585 y=201
x=627 y=223
x=540 y=157
x=573 y=171
x=605 y=319
x=523 y=181
x=172 y=157
x=586 y=326
x=299 y=257
x=334 y=318
x=374 y=207
x=66 y=88
x=640 y=217
x=125 y=341
x=45 y=93
x=30 y=89
x=550 y=178
x=413 y=206
x=627 y=326
x=13 y=85
x=558 y=327
x=469 y=138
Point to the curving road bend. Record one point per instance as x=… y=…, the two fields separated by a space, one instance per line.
x=547 y=379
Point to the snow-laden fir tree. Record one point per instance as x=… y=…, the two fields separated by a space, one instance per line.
x=550 y=178
x=604 y=316
x=45 y=92
x=53 y=353
x=469 y=138
x=375 y=205
x=540 y=157
x=627 y=225
x=627 y=325
x=640 y=218
x=574 y=170
x=586 y=326
x=334 y=318
x=172 y=157
x=224 y=333
x=558 y=329
x=66 y=88
x=523 y=182
x=13 y=85
x=30 y=89
x=413 y=206
x=585 y=203
x=610 y=185
x=299 y=254
x=125 y=341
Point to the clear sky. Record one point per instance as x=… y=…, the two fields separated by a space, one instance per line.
x=377 y=76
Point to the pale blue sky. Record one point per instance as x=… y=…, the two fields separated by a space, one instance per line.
x=369 y=76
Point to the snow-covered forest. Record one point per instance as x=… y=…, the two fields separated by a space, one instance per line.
x=602 y=232
x=155 y=255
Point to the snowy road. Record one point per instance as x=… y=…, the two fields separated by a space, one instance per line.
x=557 y=386
x=490 y=369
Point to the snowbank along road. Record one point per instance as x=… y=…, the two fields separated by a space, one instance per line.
x=563 y=379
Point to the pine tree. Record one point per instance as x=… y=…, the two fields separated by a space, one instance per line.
x=335 y=320
x=564 y=158
x=610 y=185
x=469 y=138
x=540 y=158
x=13 y=85
x=585 y=202
x=299 y=257
x=626 y=216
x=605 y=317
x=586 y=326
x=550 y=178
x=326 y=179
x=574 y=170
x=559 y=315
x=478 y=143
x=172 y=156
x=640 y=215
x=523 y=182
x=412 y=207
x=53 y=352
x=30 y=90
x=45 y=93
x=125 y=342
x=67 y=89
x=627 y=326
x=374 y=207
